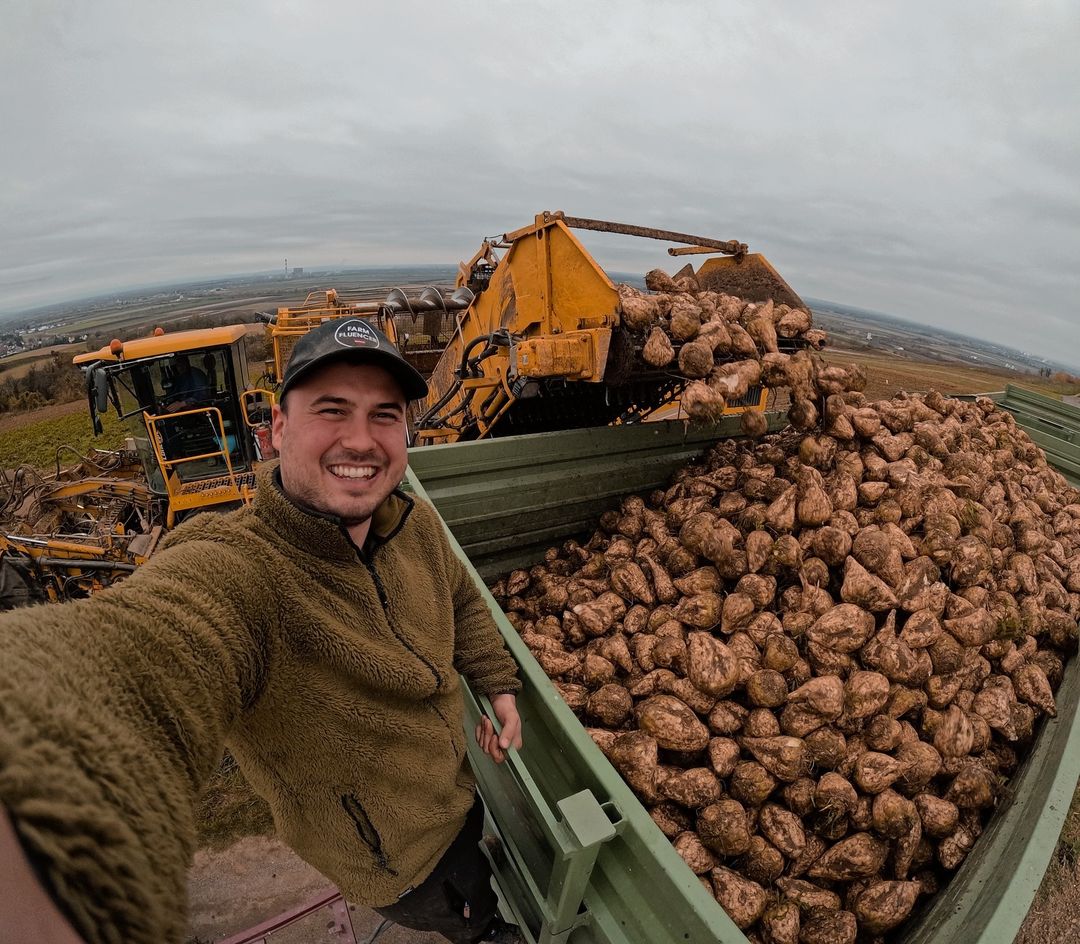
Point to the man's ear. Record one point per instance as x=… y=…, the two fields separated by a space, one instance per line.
x=277 y=425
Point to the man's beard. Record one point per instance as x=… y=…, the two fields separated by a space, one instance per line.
x=307 y=493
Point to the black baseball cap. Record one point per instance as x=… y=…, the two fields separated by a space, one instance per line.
x=355 y=340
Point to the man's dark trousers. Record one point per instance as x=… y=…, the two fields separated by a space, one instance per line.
x=456 y=900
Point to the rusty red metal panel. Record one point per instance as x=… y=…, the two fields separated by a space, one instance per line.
x=331 y=898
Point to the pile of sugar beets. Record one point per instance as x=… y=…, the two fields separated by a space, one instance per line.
x=725 y=346
x=817 y=657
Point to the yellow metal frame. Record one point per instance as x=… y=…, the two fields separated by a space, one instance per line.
x=36 y=547
x=112 y=555
x=52 y=549
x=291 y=324
x=250 y=393
x=210 y=491
x=674 y=411
x=546 y=289
x=115 y=487
x=549 y=292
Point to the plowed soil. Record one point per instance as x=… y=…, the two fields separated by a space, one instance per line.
x=888 y=376
x=15 y=420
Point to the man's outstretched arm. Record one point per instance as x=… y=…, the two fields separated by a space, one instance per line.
x=113 y=713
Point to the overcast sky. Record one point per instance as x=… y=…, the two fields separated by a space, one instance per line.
x=920 y=159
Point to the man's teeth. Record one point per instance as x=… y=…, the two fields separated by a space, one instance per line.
x=353 y=471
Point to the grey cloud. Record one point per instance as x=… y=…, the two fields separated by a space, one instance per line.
x=919 y=160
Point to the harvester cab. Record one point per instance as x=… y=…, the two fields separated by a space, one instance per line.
x=196 y=429
x=197 y=425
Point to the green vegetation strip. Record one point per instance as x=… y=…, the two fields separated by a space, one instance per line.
x=35 y=444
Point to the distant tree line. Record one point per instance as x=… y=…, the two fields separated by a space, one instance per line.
x=54 y=380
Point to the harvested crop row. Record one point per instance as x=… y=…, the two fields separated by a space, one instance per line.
x=817 y=658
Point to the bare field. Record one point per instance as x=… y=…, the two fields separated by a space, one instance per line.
x=19 y=365
x=233 y=298
x=1054 y=916
x=887 y=376
x=259 y=877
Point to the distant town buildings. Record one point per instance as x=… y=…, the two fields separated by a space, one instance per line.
x=14 y=343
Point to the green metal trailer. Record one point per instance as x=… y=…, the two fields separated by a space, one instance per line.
x=579 y=859
x=1052 y=424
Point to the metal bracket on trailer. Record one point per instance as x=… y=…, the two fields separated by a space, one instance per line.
x=542 y=856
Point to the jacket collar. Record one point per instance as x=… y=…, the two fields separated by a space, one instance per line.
x=316 y=531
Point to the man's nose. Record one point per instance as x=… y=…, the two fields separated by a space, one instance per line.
x=357 y=435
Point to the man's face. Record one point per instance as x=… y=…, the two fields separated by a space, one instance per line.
x=342 y=440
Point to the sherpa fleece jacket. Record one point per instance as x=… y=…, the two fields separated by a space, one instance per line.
x=331 y=673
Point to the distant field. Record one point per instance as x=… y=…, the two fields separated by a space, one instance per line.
x=34 y=441
x=887 y=375
x=903 y=356
x=242 y=298
x=18 y=365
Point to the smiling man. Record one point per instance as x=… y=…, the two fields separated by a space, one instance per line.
x=320 y=633
x=345 y=452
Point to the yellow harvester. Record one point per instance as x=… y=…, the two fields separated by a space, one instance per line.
x=531 y=339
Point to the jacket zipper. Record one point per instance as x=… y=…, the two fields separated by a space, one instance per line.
x=384 y=601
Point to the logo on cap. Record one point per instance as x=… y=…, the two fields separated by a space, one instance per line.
x=356 y=333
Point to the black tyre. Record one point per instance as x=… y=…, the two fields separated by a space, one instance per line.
x=15 y=588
